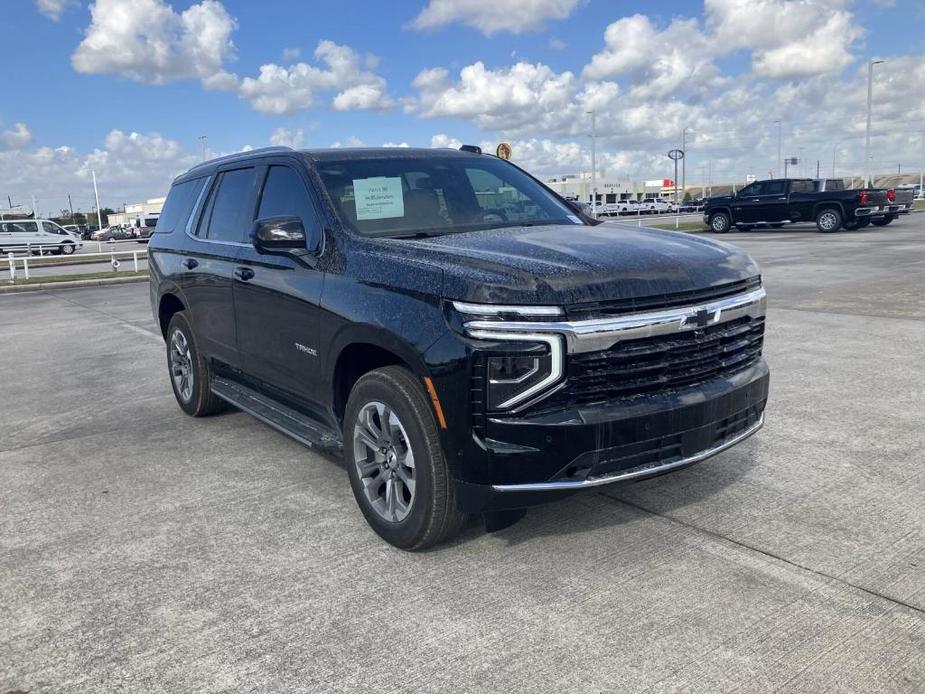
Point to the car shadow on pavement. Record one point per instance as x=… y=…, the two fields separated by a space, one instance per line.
x=617 y=504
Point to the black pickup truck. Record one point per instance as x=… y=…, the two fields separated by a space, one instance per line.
x=782 y=201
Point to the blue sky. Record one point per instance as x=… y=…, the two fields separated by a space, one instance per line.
x=71 y=82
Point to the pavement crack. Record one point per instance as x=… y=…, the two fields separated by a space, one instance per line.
x=771 y=555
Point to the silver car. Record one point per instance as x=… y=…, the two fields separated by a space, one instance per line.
x=39 y=236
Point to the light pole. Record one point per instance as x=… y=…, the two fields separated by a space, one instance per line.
x=684 y=160
x=96 y=194
x=779 y=138
x=593 y=163
x=202 y=146
x=922 y=168
x=870 y=98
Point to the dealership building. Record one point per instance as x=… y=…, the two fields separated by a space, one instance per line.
x=610 y=190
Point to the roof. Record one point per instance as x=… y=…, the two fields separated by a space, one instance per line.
x=332 y=153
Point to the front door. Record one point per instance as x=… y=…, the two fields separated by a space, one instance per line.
x=277 y=297
x=211 y=257
x=745 y=206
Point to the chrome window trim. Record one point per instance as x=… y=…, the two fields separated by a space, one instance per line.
x=556 y=371
x=598 y=334
x=633 y=473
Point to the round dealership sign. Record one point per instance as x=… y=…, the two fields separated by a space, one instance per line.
x=676 y=154
x=503 y=151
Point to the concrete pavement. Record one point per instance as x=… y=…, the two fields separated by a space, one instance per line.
x=142 y=550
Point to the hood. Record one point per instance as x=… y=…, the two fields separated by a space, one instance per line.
x=568 y=264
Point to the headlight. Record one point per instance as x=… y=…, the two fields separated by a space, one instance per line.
x=516 y=377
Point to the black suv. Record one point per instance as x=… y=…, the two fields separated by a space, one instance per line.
x=466 y=340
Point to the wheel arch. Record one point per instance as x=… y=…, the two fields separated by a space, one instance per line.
x=356 y=352
x=828 y=205
x=168 y=305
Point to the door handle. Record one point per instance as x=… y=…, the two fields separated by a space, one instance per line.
x=190 y=263
x=243 y=273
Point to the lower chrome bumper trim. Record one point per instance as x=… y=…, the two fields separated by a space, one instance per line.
x=632 y=473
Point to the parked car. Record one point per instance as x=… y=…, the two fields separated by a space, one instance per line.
x=77 y=229
x=781 y=201
x=376 y=304
x=38 y=236
x=624 y=207
x=659 y=205
x=113 y=233
x=693 y=205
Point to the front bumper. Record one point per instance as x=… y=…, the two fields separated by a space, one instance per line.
x=549 y=456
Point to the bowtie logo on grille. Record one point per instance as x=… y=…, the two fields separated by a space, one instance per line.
x=703 y=318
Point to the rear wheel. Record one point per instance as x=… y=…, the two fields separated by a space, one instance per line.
x=863 y=222
x=883 y=221
x=395 y=462
x=828 y=220
x=67 y=248
x=190 y=373
x=720 y=222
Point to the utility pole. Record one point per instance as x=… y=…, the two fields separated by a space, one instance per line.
x=899 y=169
x=96 y=194
x=710 y=176
x=834 y=157
x=593 y=164
x=779 y=161
x=817 y=169
x=202 y=146
x=703 y=182
x=870 y=99
x=70 y=206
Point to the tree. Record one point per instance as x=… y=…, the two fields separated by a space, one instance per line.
x=687 y=196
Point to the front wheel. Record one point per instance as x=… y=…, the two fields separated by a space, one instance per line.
x=67 y=248
x=883 y=221
x=828 y=220
x=720 y=222
x=395 y=462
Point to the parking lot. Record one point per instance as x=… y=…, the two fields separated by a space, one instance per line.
x=143 y=550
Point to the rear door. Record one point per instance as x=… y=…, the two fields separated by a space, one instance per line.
x=277 y=297
x=209 y=260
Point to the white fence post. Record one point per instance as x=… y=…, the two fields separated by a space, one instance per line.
x=135 y=258
x=25 y=267
x=12 y=260
x=676 y=220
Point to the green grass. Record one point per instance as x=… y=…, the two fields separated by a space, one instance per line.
x=72 y=278
x=919 y=205
x=683 y=226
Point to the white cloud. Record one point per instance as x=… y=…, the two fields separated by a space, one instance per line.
x=352 y=141
x=290 y=54
x=557 y=44
x=53 y=8
x=284 y=137
x=16 y=137
x=280 y=90
x=444 y=140
x=129 y=167
x=147 y=41
x=490 y=16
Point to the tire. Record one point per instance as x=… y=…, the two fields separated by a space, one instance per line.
x=863 y=222
x=183 y=357
x=67 y=248
x=720 y=222
x=829 y=220
x=883 y=221
x=852 y=224
x=419 y=516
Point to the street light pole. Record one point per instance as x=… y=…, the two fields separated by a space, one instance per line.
x=922 y=169
x=779 y=161
x=684 y=161
x=96 y=194
x=870 y=98
x=593 y=164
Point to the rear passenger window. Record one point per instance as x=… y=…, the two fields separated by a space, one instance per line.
x=775 y=187
x=230 y=212
x=284 y=194
x=179 y=205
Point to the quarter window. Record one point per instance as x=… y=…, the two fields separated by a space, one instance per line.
x=178 y=206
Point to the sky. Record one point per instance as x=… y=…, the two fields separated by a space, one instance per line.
x=126 y=88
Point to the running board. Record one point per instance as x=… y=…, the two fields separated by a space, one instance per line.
x=302 y=428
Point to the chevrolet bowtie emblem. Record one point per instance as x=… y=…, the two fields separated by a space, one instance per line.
x=703 y=318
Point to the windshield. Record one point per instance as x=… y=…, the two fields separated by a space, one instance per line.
x=411 y=195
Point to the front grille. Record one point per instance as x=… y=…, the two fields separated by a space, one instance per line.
x=619 y=307
x=477 y=395
x=660 y=364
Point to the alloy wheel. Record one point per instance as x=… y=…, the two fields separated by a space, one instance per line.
x=384 y=461
x=828 y=221
x=181 y=365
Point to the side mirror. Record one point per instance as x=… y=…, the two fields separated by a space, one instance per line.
x=278 y=234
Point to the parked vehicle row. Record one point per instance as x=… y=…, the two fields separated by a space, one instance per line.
x=648 y=206
x=781 y=201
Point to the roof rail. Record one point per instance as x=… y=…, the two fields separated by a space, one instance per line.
x=242 y=155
